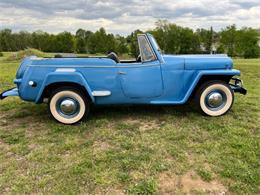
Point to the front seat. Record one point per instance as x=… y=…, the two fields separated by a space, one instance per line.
x=113 y=56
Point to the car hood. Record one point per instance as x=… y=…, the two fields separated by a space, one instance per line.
x=202 y=62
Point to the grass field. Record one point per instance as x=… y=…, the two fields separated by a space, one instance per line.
x=134 y=150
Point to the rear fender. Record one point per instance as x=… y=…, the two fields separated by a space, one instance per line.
x=72 y=77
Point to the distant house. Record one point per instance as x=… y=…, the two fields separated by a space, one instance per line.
x=214 y=48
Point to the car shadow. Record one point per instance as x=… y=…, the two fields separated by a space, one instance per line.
x=40 y=114
x=122 y=111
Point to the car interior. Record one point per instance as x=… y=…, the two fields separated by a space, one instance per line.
x=113 y=56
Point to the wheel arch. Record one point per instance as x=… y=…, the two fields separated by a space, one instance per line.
x=206 y=78
x=54 y=81
x=54 y=86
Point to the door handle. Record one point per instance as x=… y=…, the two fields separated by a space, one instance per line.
x=122 y=73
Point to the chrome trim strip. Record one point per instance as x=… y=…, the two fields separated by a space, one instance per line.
x=101 y=93
x=87 y=66
x=65 y=70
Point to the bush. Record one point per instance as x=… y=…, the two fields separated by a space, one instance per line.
x=25 y=53
x=1 y=54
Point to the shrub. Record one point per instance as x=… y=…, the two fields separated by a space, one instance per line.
x=1 y=54
x=25 y=53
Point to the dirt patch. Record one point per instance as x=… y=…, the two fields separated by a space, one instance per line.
x=29 y=122
x=149 y=125
x=168 y=184
x=100 y=146
x=145 y=125
x=110 y=190
x=188 y=183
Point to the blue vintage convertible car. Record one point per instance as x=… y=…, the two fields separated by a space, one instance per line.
x=73 y=84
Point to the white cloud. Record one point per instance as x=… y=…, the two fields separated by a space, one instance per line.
x=126 y=15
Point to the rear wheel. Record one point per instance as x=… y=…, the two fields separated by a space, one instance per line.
x=68 y=105
x=215 y=98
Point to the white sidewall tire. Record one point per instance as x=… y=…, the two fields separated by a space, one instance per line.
x=226 y=107
x=72 y=94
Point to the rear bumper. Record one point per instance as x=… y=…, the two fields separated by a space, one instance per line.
x=9 y=92
x=238 y=86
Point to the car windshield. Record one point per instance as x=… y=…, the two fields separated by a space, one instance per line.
x=154 y=42
x=145 y=49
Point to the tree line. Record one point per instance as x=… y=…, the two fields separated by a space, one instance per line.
x=173 y=39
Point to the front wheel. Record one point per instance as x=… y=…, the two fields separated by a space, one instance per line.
x=215 y=98
x=68 y=105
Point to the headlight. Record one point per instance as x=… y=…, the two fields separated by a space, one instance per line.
x=239 y=83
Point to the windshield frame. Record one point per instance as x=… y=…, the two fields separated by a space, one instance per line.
x=150 y=46
x=154 y=42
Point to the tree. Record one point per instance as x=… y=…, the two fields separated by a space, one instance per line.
x=175 y=39
x=172 y=39
x=64 y=42
x=81 y=41
x=41 y=40
x=133 y=44
x=6 y=40
x=206 y=39
x=23 y=40
x=247 y=43
x=228 y=39
x=121 y=45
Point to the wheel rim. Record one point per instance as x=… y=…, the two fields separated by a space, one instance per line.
x=68 y=107
x=215 y=100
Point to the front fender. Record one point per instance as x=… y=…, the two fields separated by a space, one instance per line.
x=228 y=72
x=72 y=77
x=194 y=81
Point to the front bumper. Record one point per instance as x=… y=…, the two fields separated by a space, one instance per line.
x=9 y=92
x=237 y=86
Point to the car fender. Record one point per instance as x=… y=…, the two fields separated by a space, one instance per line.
x=195 y=81
x=228 y=72
x=72 y=77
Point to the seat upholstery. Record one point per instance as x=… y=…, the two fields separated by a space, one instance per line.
x=113 y=56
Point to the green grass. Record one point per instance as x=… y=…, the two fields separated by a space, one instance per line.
x=132 y=150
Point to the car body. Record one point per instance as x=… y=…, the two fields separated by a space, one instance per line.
x=154 y=78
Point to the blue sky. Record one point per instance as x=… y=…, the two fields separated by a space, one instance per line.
x=124 y=16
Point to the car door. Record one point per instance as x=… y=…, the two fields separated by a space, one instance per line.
x=144 y=79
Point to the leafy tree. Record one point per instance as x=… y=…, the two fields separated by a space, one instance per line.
x=189 y=42
x=171 y=38
x=22 y=40
x=133 y=44
x=97 y=41
x=206 y=38
x=40 y=40
x=81 y=41
x=175 y=39
x=228 y=39
x=247 y=43
x=64 y=42
x=6 y=40
x=121 y=45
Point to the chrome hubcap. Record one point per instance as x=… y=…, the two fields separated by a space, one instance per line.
x=68 y=107
x=215 y=99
